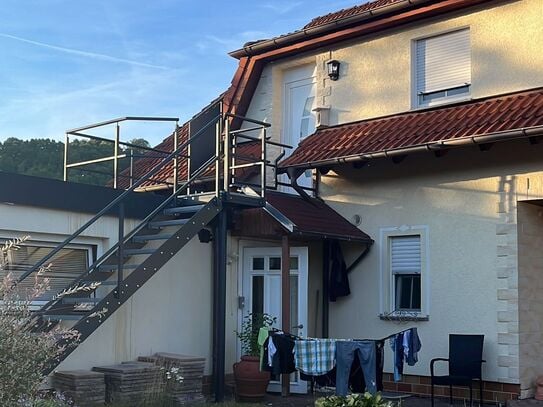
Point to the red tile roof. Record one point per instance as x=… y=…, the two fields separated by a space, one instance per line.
x=349 y=12
x=315 y=217
x=475 y=118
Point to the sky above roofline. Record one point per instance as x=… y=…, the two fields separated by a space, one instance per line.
x=70 y=63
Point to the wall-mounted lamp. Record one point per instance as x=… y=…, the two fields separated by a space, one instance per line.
x=333 y=69
x=205 y=236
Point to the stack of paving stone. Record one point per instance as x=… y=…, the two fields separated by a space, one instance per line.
x=132 y=383
x=83 y=387
x=184 y=385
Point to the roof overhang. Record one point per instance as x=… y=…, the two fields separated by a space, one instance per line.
x=286 y=214
x=252 y=58
x=377 y=19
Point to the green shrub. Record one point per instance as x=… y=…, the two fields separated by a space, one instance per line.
x=353 y=400
x=248 y=335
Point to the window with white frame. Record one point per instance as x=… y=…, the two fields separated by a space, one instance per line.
x=404 y=272
x=405 y=267
x=443 y=68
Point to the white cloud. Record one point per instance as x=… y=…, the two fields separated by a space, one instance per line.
x=86 y=54
x=281 y=8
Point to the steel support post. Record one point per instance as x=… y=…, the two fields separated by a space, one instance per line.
x=325 y=286
x=219 y=306
x=285 y=303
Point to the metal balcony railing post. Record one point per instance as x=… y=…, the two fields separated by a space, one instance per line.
x=264 y=166
x=175 y=160
x=115 y=157
x=227 y=148
x=131 y=167
x=66 y=143
x=218 y=155
x=120 y=250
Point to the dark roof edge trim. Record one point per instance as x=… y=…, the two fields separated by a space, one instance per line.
x=287 y=39
x=507 y=135
x=369 y=241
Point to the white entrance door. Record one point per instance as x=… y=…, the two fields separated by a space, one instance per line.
x=299 y=118
x=262 y=292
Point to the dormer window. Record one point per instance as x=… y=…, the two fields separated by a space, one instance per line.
x=443 y=68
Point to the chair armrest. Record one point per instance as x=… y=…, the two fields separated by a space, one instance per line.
x=434 y=361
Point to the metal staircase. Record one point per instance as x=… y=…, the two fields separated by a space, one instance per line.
x=141 y=252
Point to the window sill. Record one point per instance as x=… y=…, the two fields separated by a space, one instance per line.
x=404 y=317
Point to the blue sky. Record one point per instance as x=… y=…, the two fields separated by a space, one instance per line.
x=68 y=63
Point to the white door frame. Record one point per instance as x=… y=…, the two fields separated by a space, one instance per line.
x=293 y=78
x=246 y=254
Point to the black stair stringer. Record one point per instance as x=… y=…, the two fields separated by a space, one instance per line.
x=114 y=300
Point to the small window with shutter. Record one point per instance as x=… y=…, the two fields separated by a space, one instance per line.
x=406 y=266
x=65 y=266
x=443 y=68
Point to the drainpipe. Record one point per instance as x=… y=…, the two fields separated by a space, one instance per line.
x=433 y=146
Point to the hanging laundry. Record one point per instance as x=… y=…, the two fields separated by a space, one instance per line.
x=405 y=346
x=345 y=352
x=339 y=277
x=414 y=345
x=263 y=334
x=315 y=356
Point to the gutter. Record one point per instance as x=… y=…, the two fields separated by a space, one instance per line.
x=508 y=135
x=278 y=42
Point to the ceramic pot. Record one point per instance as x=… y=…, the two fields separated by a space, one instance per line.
x=251 y=383
x=539 y=389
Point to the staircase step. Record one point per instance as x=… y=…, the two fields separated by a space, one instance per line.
x=63 y=317
x=183 y=209
x=146 y=238
x=81 y=300
x=135 y=252
x=195 y=199
x=113 y=267
x=164 y=223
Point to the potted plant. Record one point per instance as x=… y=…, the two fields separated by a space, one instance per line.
x=251 y=383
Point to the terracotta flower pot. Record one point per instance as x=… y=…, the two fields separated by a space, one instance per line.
x=251 y=383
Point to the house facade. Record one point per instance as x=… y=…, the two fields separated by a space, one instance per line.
x=403 y=89
x=419 y=156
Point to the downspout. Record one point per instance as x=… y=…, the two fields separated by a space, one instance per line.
x=294 y=174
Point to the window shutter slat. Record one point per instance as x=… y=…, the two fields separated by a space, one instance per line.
x=443 y=62
x=66 y=265
x=405 y=255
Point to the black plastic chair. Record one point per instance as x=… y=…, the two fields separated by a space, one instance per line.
x=465 y=365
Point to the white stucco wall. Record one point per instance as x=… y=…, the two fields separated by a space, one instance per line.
x=467 y=201
x=376 y=74
x=172 y=312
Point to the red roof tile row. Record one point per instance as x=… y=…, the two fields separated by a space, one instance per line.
x=349 y=12
x=410 y=129
x=315 y=217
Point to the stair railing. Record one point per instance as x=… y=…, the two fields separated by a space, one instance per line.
x=123 y=196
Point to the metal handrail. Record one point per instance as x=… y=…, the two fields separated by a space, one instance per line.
x=119 y=199
x=97 y=263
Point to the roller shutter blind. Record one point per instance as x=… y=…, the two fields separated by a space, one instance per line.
x=443 y=62
x=405 y=255
x=66 y=265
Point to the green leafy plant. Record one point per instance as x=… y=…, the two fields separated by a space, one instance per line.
x=25 y=352
x=248 y=334
x=354 y=400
